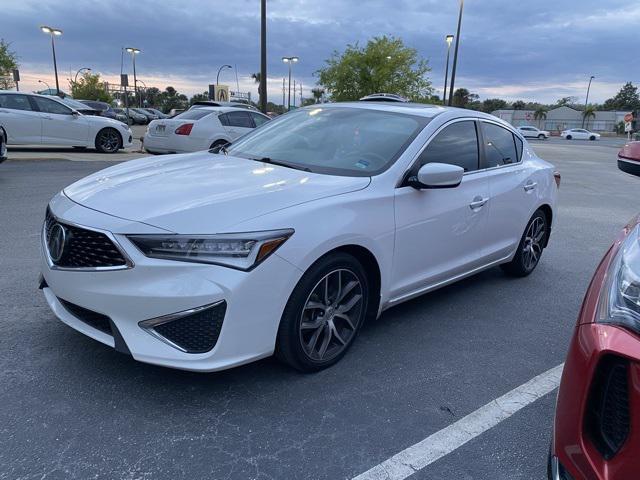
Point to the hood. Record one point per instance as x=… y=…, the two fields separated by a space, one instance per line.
x=99 y=120
x=202 y=192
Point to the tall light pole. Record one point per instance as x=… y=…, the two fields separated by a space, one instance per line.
x=219 y=70
x=263 y=56
x=289 y=60
x=587 y=99
x=54 y=32
x=75 y=79
x=455 y=54
x=449 y=39
x=134 y=52
x=42 y=81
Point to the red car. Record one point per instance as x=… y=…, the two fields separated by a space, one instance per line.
x=629 y=158
x=596 y=432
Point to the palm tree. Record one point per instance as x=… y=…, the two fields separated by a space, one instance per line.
x=256 y=79
x=317 y=93
x=589 y=112
x=539 y=115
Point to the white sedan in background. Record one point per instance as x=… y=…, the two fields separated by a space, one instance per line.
x=579 y=134
x=302 y=229
x=31 y=119
x=200 y=128
x=532 y=132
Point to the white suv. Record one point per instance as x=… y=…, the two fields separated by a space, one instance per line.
x=31 y=119
x=533 y=132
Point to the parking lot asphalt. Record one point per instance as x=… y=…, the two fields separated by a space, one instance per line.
x=73 y=408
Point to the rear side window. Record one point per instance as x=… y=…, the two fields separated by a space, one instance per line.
x=15 y=102
x=258 y=119
x=456 y=144
x=240 y=119
x=51 y=106
x=499 y=146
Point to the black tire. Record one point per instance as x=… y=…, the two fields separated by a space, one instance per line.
x=569 y=137
x=530 y=247
x=322 y=310
x=3 y=145
x=592 y=138
x=541 y=136
x=108 y=140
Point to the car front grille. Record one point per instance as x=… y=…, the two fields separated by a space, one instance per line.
x=84 y=248
x=607 y=419
x=195 y=331
x=93 y=319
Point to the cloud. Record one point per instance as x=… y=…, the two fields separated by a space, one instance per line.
x=539 y=51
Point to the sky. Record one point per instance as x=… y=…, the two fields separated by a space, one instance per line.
x=512 y=49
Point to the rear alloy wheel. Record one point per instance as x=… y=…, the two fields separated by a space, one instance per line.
x=541 y=136
x=530 y=248
x=3 y=145
x=108 y=140
x=324 y=313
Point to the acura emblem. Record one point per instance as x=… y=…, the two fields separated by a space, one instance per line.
x=56 y=242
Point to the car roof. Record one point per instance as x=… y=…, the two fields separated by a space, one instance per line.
x=420 y=109
x=227 y=109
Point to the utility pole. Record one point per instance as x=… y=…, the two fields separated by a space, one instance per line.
x=294 y=93
x=263 y=56
x=586 y=102
x=455 y=55
x=284 y=91
x=301 y=94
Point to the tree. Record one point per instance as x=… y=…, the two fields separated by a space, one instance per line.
x=170 y=99
x=589 y=112
x=90 y=87
x=199 y=97
x=152 y=95
x=463 y=98
x=317 y=94
x=8 y=62
x=539 y=115
x=493 y=104
x=385 y=64
x=566 y=101
x=626 y=99
x=519 y=105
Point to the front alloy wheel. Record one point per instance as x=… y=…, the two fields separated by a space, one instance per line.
x=530 y=248
x=324 y=313
x=108 y=141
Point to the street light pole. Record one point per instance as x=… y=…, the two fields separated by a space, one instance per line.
x=289 y=60
x=587 y=99
x=263 y=56
x=455 y=54
x=42 y=81
x=134 y=52
x=54 y=32
x=75 y=79
x=449 y=39
x=219 y=70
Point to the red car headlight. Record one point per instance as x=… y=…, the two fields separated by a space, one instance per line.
x=620 y=299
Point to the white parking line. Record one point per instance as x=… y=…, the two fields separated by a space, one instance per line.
x=418 y=456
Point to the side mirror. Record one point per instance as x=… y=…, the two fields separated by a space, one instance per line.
x=75 y=113
x=437 y=175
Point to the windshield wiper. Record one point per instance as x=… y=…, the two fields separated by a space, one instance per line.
x=281 y=164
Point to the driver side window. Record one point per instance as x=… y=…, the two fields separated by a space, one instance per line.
x=456 y=144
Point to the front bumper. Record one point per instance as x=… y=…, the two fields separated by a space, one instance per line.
x=153 y=289
x=629 y=166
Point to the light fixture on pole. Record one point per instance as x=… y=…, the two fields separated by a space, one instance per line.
x=219 y=70
x=75 y=79
x=42 y=81
x=448 y=39
x=289 y=60
x=587 y=99
x=134 y=52
x=53 y=32
x=455 y=55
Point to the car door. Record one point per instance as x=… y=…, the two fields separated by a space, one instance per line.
x=237 y=124
x=60 y=126
x=22 y=123
x=439 y=232
x=512 y=188
x=580 y=134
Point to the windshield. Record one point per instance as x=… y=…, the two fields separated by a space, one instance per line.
x=336 y=140
x=193 y=114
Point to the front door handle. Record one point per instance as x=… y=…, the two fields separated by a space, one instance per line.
x=477 y=203
x=530 y=186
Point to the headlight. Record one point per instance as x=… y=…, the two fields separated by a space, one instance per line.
x=620 y=299
x=243 y=251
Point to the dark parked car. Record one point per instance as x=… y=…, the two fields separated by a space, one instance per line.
x=103 y=108
x=157 y=112
x=150 y=116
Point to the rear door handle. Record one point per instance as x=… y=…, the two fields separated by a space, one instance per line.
x=478 y=202
x=530 y=186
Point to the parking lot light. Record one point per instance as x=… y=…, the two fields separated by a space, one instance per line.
x=53 y=32
x=448 y=39
x=75 y=79
x=42 y=81
x=219 y=70
x=134 y=51
x=289 y=61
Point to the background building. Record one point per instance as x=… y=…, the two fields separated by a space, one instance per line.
x=561 y=118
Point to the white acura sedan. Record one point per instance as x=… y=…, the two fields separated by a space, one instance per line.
x=31 y=119
x=579 y=134
x=287 y=240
